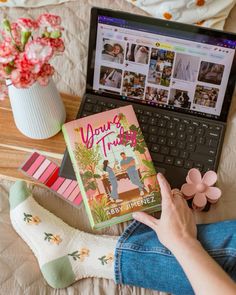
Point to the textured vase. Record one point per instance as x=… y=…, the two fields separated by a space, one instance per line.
x=38 y=110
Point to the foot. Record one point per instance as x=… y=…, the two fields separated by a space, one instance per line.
x=64 y=254
x=112 y=200
x=119 y=201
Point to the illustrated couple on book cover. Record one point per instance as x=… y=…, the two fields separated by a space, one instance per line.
x=128 y=165
x=113 y=166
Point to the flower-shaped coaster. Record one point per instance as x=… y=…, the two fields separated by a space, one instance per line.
x=201 y=189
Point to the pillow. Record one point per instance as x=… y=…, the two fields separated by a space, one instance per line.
x=30 y=3
x=209 y=13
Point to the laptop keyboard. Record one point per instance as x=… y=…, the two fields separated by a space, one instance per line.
x=171 y=140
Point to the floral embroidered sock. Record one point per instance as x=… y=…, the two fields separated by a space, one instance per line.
x=64 y=254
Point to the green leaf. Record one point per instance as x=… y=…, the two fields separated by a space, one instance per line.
x=96 y=176
x=25 y=35
x=55 y=34
x=6 y=25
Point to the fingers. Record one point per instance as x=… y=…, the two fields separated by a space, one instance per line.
x=146 y=219
x=165 y=189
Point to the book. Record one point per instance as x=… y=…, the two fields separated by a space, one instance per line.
x=113 y=166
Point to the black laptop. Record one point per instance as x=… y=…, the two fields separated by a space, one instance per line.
x=179 y=78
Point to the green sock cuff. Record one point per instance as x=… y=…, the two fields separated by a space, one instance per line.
x=18 y=193
x=58 y=273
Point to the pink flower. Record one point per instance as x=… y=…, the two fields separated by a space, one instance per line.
x=200 y=188
x=3 y=90
x=45 y=73
x=57 y=44
x=7 y=52
x=27 y=24
x=49 y=20
x=23 y=64
x=22 y=79
x=38 y=51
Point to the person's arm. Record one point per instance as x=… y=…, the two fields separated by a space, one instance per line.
x=177 y=231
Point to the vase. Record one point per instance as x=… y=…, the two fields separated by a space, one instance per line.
x=38 y=111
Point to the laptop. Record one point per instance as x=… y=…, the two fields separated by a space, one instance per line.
x=179 y=79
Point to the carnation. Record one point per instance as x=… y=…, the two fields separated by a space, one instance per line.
x=49 y=20
x=27 y=24
x=38 y=51
x=7 y=52
x=26 y=48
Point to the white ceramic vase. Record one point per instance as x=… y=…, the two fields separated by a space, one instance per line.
x=38 y=110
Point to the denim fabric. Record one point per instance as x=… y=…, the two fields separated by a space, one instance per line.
x=141 y=260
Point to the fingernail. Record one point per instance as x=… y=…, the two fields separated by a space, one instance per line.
x=160 y=174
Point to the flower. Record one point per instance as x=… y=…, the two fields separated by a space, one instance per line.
x=49 y=20
x=7 y=52
x=55 y=239
x=27 y=24
x=22 y=79
x=3 y=90
x=84 y=251
x=24 y=65
x=57 y=44
x=110 y=257
x=201 y=188
x=45 y=73
x=38 y=51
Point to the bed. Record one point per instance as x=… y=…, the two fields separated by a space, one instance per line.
x=19 y=271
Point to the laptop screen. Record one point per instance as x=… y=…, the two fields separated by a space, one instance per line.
x=161 y=66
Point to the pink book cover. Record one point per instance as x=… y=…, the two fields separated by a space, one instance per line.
x=113 y=166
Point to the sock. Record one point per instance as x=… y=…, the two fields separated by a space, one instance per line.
x=64 y=254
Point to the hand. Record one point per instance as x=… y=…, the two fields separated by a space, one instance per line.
x=177 y=224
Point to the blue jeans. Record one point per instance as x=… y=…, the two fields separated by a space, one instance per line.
x=141 y=260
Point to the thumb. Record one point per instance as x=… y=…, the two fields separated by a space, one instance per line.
x=146 y=219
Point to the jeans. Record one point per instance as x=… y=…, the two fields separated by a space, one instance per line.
x=141 y=260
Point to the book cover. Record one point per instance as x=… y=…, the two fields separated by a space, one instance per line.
x=113 y=166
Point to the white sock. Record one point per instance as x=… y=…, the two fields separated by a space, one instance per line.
x=64 y=254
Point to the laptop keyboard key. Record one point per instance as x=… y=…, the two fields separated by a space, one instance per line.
x=200 y=140
x=97 y=108
x=147 y=113
x=191 y=138
x=181 y=127
x=143 y=119
x=162 y=131
x=171 y=125
x=181 y=144
x=181 y=136
x=183 y=154
x=165 y=150
x=188 y=164
x=169 y=160
x=161 y=123
x=152 y=138
x=174 y=152
x=162 y=140
x=171 y=142
x=88 y=107
x=155 y=148
x=152 y=121
x=190 y=129
x=190 y=147
x=171 y=133
x=179 y=162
